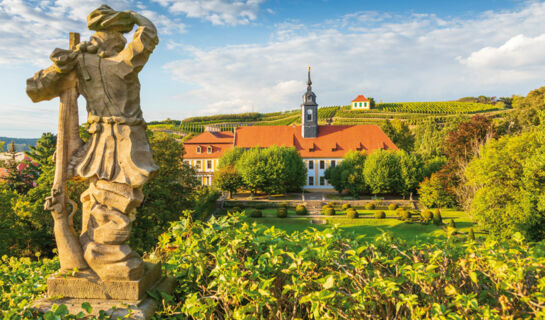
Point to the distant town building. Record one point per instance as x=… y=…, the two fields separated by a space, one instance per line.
x=320 y=147
x=360 y=103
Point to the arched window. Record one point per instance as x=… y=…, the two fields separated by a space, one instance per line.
x=309 y=115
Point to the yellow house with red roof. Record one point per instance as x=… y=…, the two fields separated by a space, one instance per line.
x=320 y=147
x=361 y=103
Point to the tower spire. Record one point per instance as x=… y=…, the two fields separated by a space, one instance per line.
x=309 y=82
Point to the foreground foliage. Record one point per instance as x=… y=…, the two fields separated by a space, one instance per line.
x=231 y=269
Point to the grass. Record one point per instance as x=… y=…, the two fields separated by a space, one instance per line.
x=368 y=226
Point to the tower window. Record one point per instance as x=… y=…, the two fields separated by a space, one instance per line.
x=309 y=115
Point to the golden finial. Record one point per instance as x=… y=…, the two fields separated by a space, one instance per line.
x=309 y=68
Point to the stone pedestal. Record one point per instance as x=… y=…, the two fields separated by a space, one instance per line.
x=116 y=298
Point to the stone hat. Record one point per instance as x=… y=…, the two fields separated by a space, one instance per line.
x=105 y=18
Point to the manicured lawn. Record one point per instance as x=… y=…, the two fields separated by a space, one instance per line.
x=368 y=226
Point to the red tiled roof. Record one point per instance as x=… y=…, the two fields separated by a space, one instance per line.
x=219 y=141
x=332 y=141
x=360 y=98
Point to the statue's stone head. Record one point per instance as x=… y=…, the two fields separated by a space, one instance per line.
x=110 y=25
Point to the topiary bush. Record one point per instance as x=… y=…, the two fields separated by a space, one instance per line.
x=392 y=206
x=427 y=215
x=452 y=224
x=346 y=206
x=281 y=212
x=329 y=211
x=256 y=213
x=326 y=206
x=437 y=219
x=370 y=206
x=351 y=213
x=404 y=215
x=301 y=209
x=380 y=214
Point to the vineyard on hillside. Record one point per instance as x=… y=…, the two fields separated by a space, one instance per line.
x=411 y=112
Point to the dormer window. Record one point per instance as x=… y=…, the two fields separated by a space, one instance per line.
x=209 y=149
x=309 y=115
x=199 y=149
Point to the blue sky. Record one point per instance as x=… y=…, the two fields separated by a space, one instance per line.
x=224 y=56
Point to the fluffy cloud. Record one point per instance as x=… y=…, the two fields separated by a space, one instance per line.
x=416 y=57
x=219 y=12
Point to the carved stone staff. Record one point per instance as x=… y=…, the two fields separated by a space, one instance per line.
x=68 y=245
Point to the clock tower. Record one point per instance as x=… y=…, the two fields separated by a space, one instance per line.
x=309 y=112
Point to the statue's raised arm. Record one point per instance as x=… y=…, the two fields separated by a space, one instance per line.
x=145 y=39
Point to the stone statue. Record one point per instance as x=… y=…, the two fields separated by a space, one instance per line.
x=117 y=159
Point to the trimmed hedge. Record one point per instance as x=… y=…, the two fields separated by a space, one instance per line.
x=392 y=206
x=370 y=206
x=352 y=213
x=256 y=213
x=346 y=206
x=380 y=214
x=329 y=211
x=281 y=212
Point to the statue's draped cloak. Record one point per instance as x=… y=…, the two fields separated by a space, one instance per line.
x=118 y=150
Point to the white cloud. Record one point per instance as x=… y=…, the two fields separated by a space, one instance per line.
x=219 y=12
x=519 y=51
x=29 y=32
x=417 y=57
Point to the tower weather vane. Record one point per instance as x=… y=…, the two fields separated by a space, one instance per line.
x=117 y=159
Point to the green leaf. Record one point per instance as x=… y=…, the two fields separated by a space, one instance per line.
x=473 y=276
x=329 y=283
x=87 y=307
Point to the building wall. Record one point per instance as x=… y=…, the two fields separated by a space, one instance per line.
x=206 y=171
x=364 y=105
x=317 y=173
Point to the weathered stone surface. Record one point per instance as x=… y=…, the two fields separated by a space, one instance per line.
x=142 y=309
x=87 y=285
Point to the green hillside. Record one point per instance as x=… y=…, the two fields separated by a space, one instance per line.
x=412 y=112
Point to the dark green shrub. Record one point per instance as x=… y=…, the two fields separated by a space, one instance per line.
x=352 y=213
x=427 y=215
x=281 y=212
x=380 y=215
x=346 y=206
x=329 y=211
x=392 y=206
x=235 y=209
x=326 y=206
x=370 y=206
x=261 y=206
x=437 y=219
x=256 y=213
x=301 y=210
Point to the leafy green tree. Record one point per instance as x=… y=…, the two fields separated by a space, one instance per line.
x=433 y=193
x=228 y=179
x=231 y=157
x=382 y=172
x=400 y=134
x=166 y=195
x=272 y=170
x=2 y=146
x=348 y=175
x=527 y=109
x=412 y=171
x=42 y=152
x=509 y=183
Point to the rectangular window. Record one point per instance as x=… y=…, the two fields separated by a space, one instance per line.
x=322 y=164
x=311 y=164
x=198 y=165
x=208 y=164
x=322 y=181
x=310 y=181
x=332 y=163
